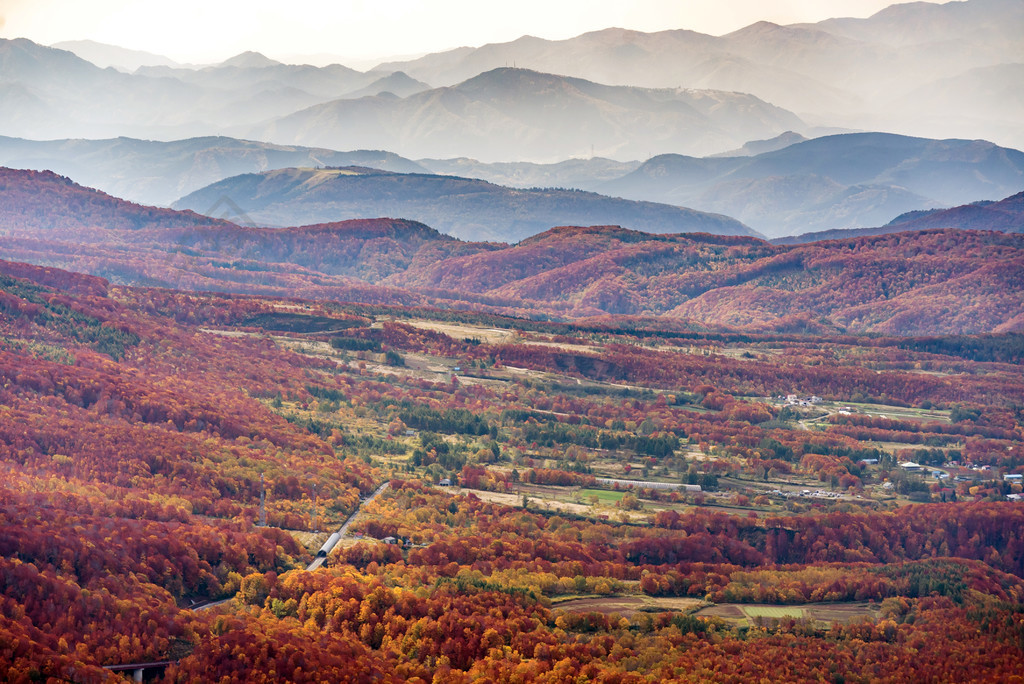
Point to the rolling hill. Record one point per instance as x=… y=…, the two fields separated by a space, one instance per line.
x=155 y=172
x=41 y=203
x=909 y=283
x=833 y=182
x=921 y=282
x=466 y=208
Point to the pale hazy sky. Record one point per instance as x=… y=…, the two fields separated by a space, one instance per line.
x=206 y=31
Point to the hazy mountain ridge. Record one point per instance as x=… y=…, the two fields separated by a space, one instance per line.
x=1006 y=215
x=397 y=83
x=941 y=70
x=466 y=208
x=833 y=182
x=580 y=173
x=930 y=282
x=154 y=172
x=104 y=55
x=840 y=72
x=71 y=97
x=755 y=147
x=252 y=70
x=792 y=190
x=515 y=114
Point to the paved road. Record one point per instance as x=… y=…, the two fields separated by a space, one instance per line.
x=343 y=530
x=211 y=604
x=318 y=561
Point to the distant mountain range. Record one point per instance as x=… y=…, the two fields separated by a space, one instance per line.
x=465 y=208
x=50 y=93
x=833 y=182
x=924 y=282
x=521 y=115
x=937 y=70
x=504 y=114
x=839 y=182
x=892 y=71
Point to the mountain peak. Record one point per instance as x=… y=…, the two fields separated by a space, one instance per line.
x=507 y=73
x=249 y=60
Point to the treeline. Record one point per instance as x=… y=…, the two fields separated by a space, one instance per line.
x=1002 y=348
x=450 y=421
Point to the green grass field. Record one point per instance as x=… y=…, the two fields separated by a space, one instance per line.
x=777 y=612
x=603 y=495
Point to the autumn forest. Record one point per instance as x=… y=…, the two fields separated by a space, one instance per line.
x=629 y=343
x=564 y=501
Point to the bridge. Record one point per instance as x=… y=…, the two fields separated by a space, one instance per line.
x=142 y=671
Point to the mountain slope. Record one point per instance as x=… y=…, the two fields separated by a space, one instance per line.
x=905 y=283
x=833 y=182
x=465 y=208
x=43 y=203
x=515 y=114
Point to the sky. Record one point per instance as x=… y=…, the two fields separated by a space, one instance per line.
x=207 y=31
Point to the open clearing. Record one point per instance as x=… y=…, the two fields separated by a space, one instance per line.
x=487 y=335
x=628 y=605
x=830 y=613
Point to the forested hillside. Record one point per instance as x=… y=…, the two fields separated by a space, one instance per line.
x=925 y=282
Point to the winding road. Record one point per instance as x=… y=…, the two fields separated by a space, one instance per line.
x=343 y=530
